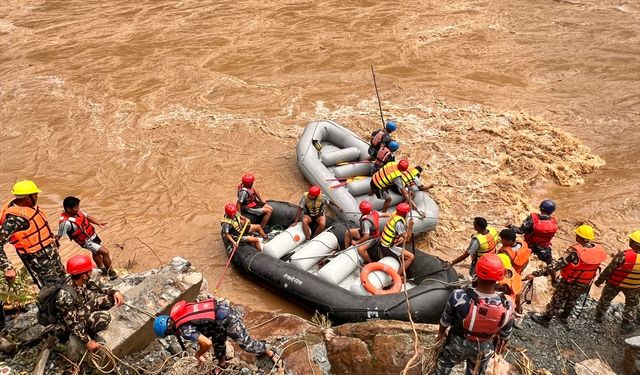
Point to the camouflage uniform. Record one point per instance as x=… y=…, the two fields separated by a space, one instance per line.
x=228 y=323
x=631 y=296
x=457 y=348
x=566 y=293
x=82 y=312
x=544 y=253
x=45 y=265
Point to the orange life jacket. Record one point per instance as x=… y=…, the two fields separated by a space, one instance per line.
x=484 y=321
x=37 y=236
x=184 y=312
x=85 y=230
x=543 y=231
x=382 y=156
x=377 y=136
x=519 y=258
x=385 y=176
x=589 y=261
x=628 y=274
x=251 y=198
x=374 y=218
x=513 y=282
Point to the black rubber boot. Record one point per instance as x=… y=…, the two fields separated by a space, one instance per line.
x=564 y=318
x=626 y=326
x=541 y=319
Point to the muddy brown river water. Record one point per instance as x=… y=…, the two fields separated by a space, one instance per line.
x=150 y=111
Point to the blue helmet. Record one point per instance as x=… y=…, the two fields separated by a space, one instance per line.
x=390 y=126
x=393 y=145
x=160 y=325
x=548 y=206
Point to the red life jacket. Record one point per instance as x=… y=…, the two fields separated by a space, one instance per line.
x=589 y=261
x=628 y=274
x=543 y=231
x=251 y=198
x=184 y=312
x=382 y=156
x=84 y=229
x=374 y=218
x=484 y=321
x=377 y=136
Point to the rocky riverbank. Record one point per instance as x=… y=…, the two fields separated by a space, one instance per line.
x=313 y=347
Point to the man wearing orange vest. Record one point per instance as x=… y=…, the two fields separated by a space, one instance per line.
x=518 y=252
x=539 y=229
x=24 y=225
x=485 y=241
x=577 y=271
x=622 y=275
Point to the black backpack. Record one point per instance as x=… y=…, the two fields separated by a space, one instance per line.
x=46 y=301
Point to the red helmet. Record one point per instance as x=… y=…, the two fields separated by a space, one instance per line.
x=248 y=179
x=403 y=165
x=403 y=209
x=230 y=209
x=314 y=191
x=490 y=267
x=365 y=207
x=79 y=264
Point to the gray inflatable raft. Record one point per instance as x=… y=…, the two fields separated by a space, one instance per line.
x=343 y=155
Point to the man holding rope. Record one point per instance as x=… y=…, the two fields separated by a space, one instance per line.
x=479 y=321
x=209 y=323
x=233 y=226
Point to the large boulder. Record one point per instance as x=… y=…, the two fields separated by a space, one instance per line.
x=155 y=292
x=631 y=364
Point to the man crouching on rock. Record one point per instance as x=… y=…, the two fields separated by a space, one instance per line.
x=481 y=321
x=208 y=323
x=81 y=302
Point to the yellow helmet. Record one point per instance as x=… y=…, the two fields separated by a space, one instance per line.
x=25 y=187
x=506 y=261
x=586 y=231
x=635 y=236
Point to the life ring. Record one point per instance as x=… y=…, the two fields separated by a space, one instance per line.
x=377 y=266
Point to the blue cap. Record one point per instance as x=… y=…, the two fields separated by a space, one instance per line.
x=548 y=206
x=160 y=325
x=393 y=145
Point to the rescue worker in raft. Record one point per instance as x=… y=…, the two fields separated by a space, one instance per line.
x=382 y=181
x=209 y=323
x=369 y=231
x=25 y=225
x=395 y=234
x=485 y=241
x=411 y=184
x=622 y=275
x=312 y=204
x=381 y=137
x=538 y=230
x=385 y=155
x=78 y=226
x=233 y=224
x=249 y=200
x=577 y=271
x=477 y=322
x=83 y=304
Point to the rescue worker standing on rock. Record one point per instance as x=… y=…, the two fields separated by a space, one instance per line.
x=479 y=321
x=577 y=271
x=622 y=275
x=485 y=241
x=249 y=200
x=24 y=225
x=312 y=203
x=518 y=252
x=234 y=225
x=381 y=137
x=78 y=226
x=209 y=323
x=82 y=303
x=396 y=233
x=539 y=229
x=369 y=230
